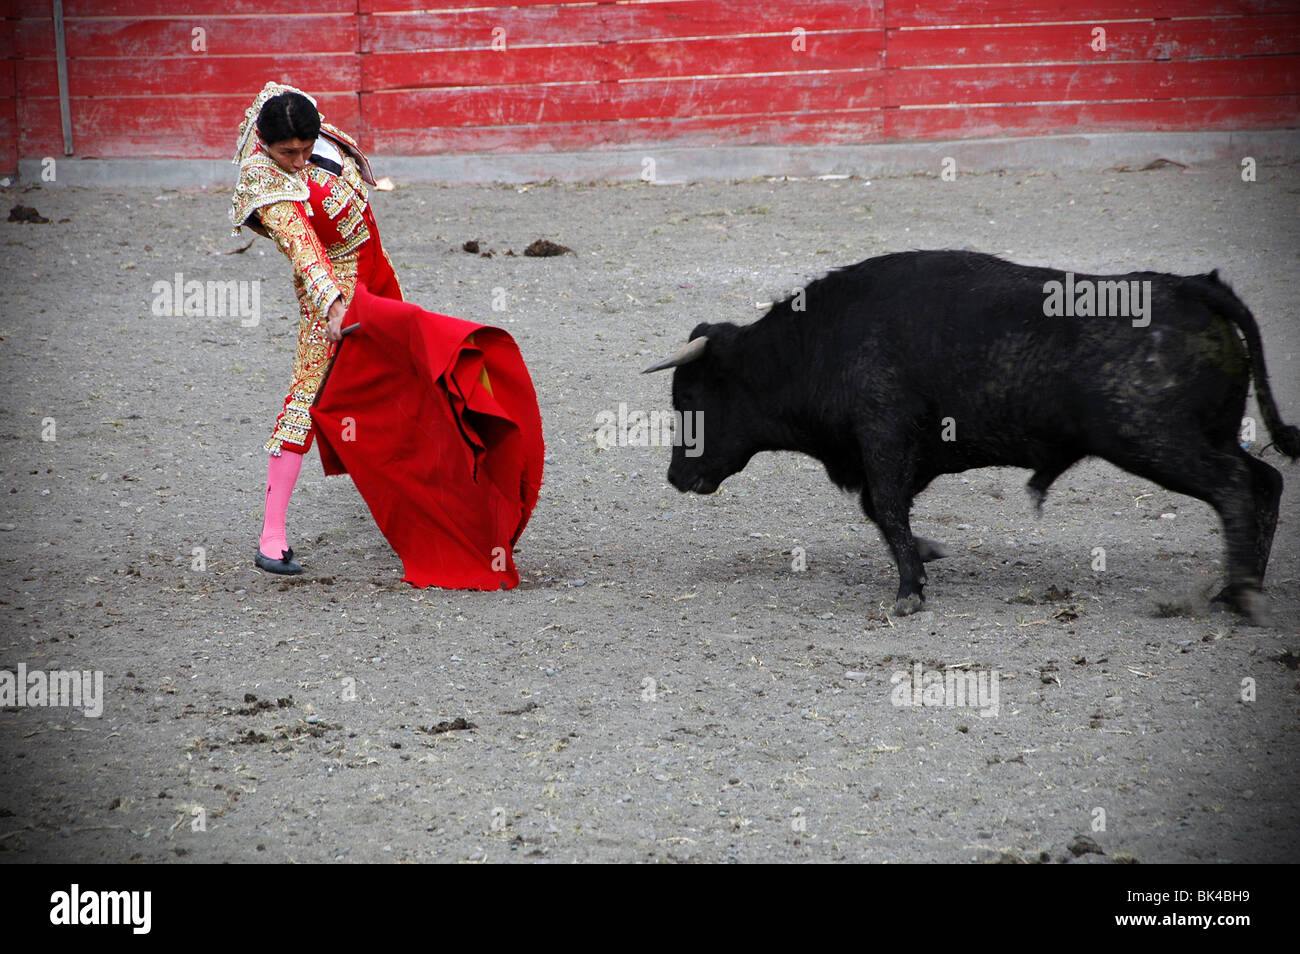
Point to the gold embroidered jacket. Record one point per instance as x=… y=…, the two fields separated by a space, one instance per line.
x=281 y=205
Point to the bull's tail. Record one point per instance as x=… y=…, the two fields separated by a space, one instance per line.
x=1218 y=296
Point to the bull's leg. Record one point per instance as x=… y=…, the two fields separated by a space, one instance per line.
x=929 y=550
x=1266 y=484
x=1268 y=492
x=892 y=515
x=1224 y=480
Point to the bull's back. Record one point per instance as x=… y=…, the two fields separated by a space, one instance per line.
x=949 y=311
x=1003 y=351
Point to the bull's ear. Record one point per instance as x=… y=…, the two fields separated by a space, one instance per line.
x=693 y=351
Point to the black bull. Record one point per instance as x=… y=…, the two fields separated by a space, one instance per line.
x=904 y=367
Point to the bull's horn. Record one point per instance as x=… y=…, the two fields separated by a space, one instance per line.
x=693 y=351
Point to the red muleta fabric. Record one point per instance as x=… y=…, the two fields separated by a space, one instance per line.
x=450 y=467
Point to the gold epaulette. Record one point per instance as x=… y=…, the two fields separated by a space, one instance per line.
x=260 y=183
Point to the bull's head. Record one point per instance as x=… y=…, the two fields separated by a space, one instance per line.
x=706 y=387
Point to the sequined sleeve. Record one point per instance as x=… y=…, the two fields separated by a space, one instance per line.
x=288 y=224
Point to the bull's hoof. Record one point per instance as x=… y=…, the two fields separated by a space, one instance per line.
x=930 y=550
x=907 y=605
x=1247 y=601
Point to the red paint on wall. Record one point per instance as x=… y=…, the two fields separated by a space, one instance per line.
x=475 y=75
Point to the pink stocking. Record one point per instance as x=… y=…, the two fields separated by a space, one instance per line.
x=281 y=475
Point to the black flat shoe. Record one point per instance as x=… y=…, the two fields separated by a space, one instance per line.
x=285 y=566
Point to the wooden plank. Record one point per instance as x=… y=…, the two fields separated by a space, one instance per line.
x=113 y=136
x=8 y=140
x=610 y=23
x=120 y=128
x=516 y=105
x=33 y=38
x=1188 y=115
x=913 y=13
x=194 y=76
x=1072 y=43
x=8 y=101
x=728 y=55
x=140 y=9
x=156 y=39
x=802 y=128
x=1257 y=76
x=414 y=6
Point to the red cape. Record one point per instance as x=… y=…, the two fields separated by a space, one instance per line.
x=436 y=420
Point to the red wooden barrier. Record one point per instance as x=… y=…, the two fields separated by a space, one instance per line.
x=144 y=83
x=478 y=75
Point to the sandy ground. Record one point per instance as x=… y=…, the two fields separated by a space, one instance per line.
x=663 y=686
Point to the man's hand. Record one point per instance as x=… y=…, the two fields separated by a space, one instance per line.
x=334 y=330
